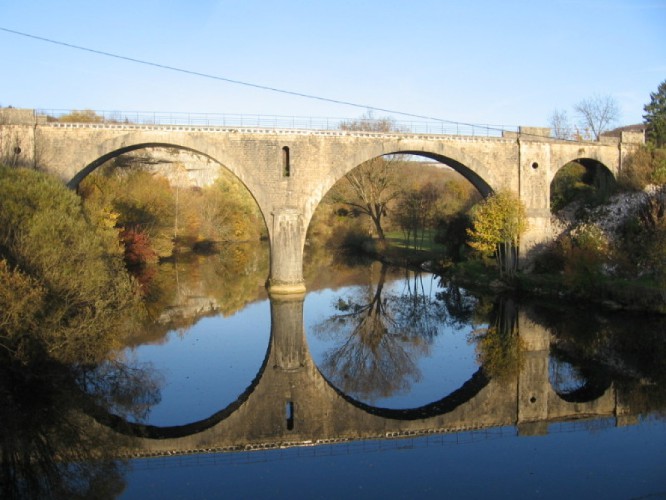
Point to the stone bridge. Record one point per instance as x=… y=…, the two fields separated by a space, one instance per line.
x=290 y=403
x=289 y=171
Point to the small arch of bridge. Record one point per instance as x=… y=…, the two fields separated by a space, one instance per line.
x=598 y=177
x=589 y=163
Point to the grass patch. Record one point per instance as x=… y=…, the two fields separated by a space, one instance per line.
x=397 y=239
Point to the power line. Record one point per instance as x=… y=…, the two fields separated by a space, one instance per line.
x=240 y=82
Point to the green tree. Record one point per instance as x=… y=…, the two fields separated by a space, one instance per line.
x=452 y=233
x=498 y=223
x=655 y=116
x=415 y=212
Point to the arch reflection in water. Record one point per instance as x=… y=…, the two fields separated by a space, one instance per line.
x=394 y=341
x=206 y=367
x=291 y=403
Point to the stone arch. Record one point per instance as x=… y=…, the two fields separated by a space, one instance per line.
x=587 y=162
x=469 y=167
x=114 y=153
x=597 y=175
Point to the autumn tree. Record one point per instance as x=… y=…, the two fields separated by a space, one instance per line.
x=67 y=288
x=643 y=238
x=645 y=166
x=81 y=116
x=137 y=199
x=498 y=223
x=228 y=213
x=499 y=346
x=655 y=116
x=415 y=212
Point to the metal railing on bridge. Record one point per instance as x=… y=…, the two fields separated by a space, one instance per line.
x=270 y=122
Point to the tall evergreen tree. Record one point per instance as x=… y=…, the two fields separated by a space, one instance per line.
x=655 y=116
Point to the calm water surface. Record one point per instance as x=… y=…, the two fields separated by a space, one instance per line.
x=206 y=367
x=396 y=341
x=378 y=383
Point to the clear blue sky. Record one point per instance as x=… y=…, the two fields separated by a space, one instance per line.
x=486 y=62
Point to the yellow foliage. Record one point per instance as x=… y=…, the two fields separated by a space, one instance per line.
x=498 y=222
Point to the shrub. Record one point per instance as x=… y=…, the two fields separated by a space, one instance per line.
x=52 y=252
x=645 y=166
x=586 y=250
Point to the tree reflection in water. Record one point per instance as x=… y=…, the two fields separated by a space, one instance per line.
x=381 y=335
x=499 y=347
x=49 y=447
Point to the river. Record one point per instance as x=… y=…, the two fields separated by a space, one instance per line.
x=379 y=382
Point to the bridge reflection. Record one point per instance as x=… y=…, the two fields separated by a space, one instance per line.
x=290 y=403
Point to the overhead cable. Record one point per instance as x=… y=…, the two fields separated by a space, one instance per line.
x=240 y=82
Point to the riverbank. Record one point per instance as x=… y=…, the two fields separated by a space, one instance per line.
x=612 y=294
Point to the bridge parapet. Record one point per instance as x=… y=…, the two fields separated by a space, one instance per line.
x=276 y=131
x=419 y=126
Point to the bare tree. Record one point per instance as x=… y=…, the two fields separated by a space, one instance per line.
x=374 y=184
x=559 y=124
x=597 y=114
x=368 y=123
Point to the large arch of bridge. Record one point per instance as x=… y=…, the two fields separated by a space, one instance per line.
x=469 y=167
x=114 y=153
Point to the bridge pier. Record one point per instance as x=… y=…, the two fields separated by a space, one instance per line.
x=288 y=347
x=533 y=379
x=287 y=236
